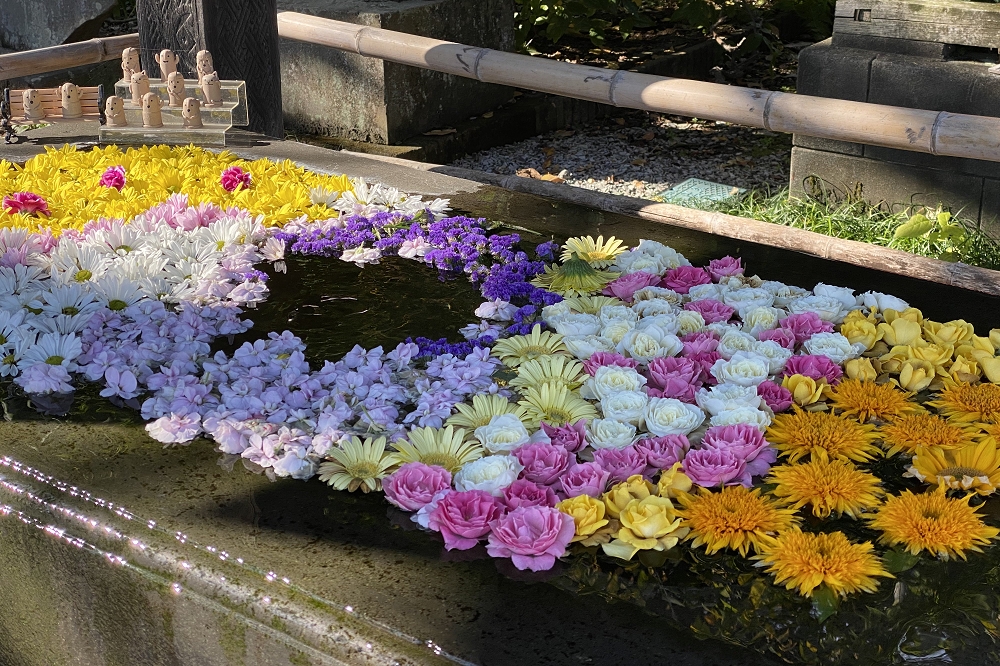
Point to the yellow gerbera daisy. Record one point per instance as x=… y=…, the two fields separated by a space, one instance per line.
x=445 y=447
x=735 y=517
x=574 y=278
x=975 y=467
x=967 y=403
x=908 y=433
x=554 y=405
x=829 y=486
x=556 y=370
x=932 y=522
x=482 y=409
x=805 y=561
x=357 y=464
x=599 y=253
x=517 y=349
x=822 y=435
x=591 y=304
x=868 y=400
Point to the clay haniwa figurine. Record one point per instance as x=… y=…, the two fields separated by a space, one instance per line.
x=114 y=111
x=32 y=105
x=130 y=63
x=72 y=106
x=204 y=64
x=139 y=87
x=211 y=88
x=175 y=88
x=167 y=60
x=192 y=113
x=151 y=116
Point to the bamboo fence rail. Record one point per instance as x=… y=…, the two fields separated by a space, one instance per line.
x=54 y=58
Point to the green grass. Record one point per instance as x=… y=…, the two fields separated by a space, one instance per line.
x=859 y=221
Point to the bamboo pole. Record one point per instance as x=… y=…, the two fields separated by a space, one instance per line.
x=54 y=58
x=937 y=133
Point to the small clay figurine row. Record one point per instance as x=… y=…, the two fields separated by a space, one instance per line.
x=152 y=116
x=211 y=88
x=167 y=60
x=72 y=105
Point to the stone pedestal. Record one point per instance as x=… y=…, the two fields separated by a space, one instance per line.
x=884 y=58
x=242 y=36
x=345 y=95
x=35 y=24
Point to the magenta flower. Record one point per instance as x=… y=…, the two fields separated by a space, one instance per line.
x=818 y=367
x=625 y=286
x=527 y=493
x=113 y=177
x=783 y=336
x=28 y=203
x=543 y=463
x=585 y=479
x=601 y=358
x=413 y=486
x=663 y=452
x=532 y=537
x=682 y=278
x=747 y=443
x=805 y=325
x=233 y=177
x=621 y=463
x=571 y=437
x=704 y=362
x=463 y=518
x=702 y=341
x=674 y=377
x=777 y=397
x=711 y=310
x=713 y=467
x=725 y=267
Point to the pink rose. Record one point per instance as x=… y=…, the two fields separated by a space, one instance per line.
x=805 y=325
x=625 y=286
x=543 y=463
x=817 y=367
x=702 y=341
x=532 y=537
x=233 y=177
x=28 y=203
x=673 y=377
x=682 y=278
x=463 y=518
x=600 y=358
x=777 y=397
x=747 y=443
x=527 y=493
x=571 y=437
x=783 y=336
x=704 y=362
x=663 y=452
x=713 y=467
x=711 y=310
x=413 y=486
x=113 y=177
x=585 y=479
x=725 y=267
x=621 y=463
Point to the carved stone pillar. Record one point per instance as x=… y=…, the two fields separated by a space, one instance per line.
x=242 y=36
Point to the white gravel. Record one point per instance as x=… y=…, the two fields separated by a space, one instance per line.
x=641 y=156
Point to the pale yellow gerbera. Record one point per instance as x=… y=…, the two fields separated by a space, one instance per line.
x=555 y=405
x=574 y=277
x=911 y=432
x=599 y=253
x=828 y=486
x=822 y=435
x=445 y=447
x=483 y=408
x=591 y=304
x=517 y=349
x=975 y=467
x=735 y=518
x=555 y=370
x=357 y=464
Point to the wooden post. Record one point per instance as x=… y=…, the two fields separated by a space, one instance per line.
x=242 y=36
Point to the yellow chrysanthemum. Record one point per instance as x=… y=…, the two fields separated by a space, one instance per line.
x=829 y=486
x=517 y=349
x=556 y=370
x=967 y=403
x=574 y=277
x=933 y=522
x=975 y=468
x=804 y=561
x=735 y=518
x=591 y=304
x=822 y=435
x=445 y=447
x=599 y=253
x=908 y=433
x=482 y=409
x=357 y=464
x=555 y=405
x=868 y=400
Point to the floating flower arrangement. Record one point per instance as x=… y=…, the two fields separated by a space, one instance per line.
x=606 y=400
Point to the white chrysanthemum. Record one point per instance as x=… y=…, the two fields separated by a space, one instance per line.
x=584 y=346
x=64 y=324
x=610 y=434
x=834 y=346
x=117 y=293
x=576 y=324
x=667 y=416
x=20 y=279
x=725 y=397
x=646 y=345
x=71 y=262
x=119 y=239
x=734 y=340
x=13 y=359
x=54 y=349
x=625 y=406
x=68 y=299
x=609 y=379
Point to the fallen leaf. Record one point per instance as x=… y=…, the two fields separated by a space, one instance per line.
x=563 y=133
x=620 y=121
x=548 y=177
x=548 y=151
x=649 y=136
x=441 y=132
x=517 y=93
x=528 y=173
x=488 y=114
x=547 y=163
x=639 y=162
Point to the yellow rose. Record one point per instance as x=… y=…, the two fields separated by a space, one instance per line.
x=950 y=333
x=633 y=488
x=909 y=314
x=990 y=365
x=859 y=315
x=587 y=513
x=995 y=337
x=673 y=482
x=901 y=333
x=893 y=361
x=647 y=524
x=862 y=331
x=916 y=375
x=805 y=390
x=976 y=343
x=860 y=368
x=964 y=370
x=937 y=355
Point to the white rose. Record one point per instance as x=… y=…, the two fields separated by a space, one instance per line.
x=610 y=434
x=749 y=297
x=649 y=293
x=745 y=369
x=559 y=309
x=725 y=397
x=584 y=346
x=754 y=417
x=646 y=345
x=882 y=302
x=626 y=263
x=576 y=324
x=609 y=379
x=617 y=313
x=614 y=331
x=625 y=406
x=701 y=292
x=827 y=308
x=734 y=340
x=783 y=293
x=491 y=474
x=734 y=282
x=665 y=324
x=667 y=416
x=756 y=320
x=843 y=294
x=720 y=328
x=834 y=346
x=670 y=257
x=652 y=307
x=502 y=434
x=689 y=321
x=775 y=354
